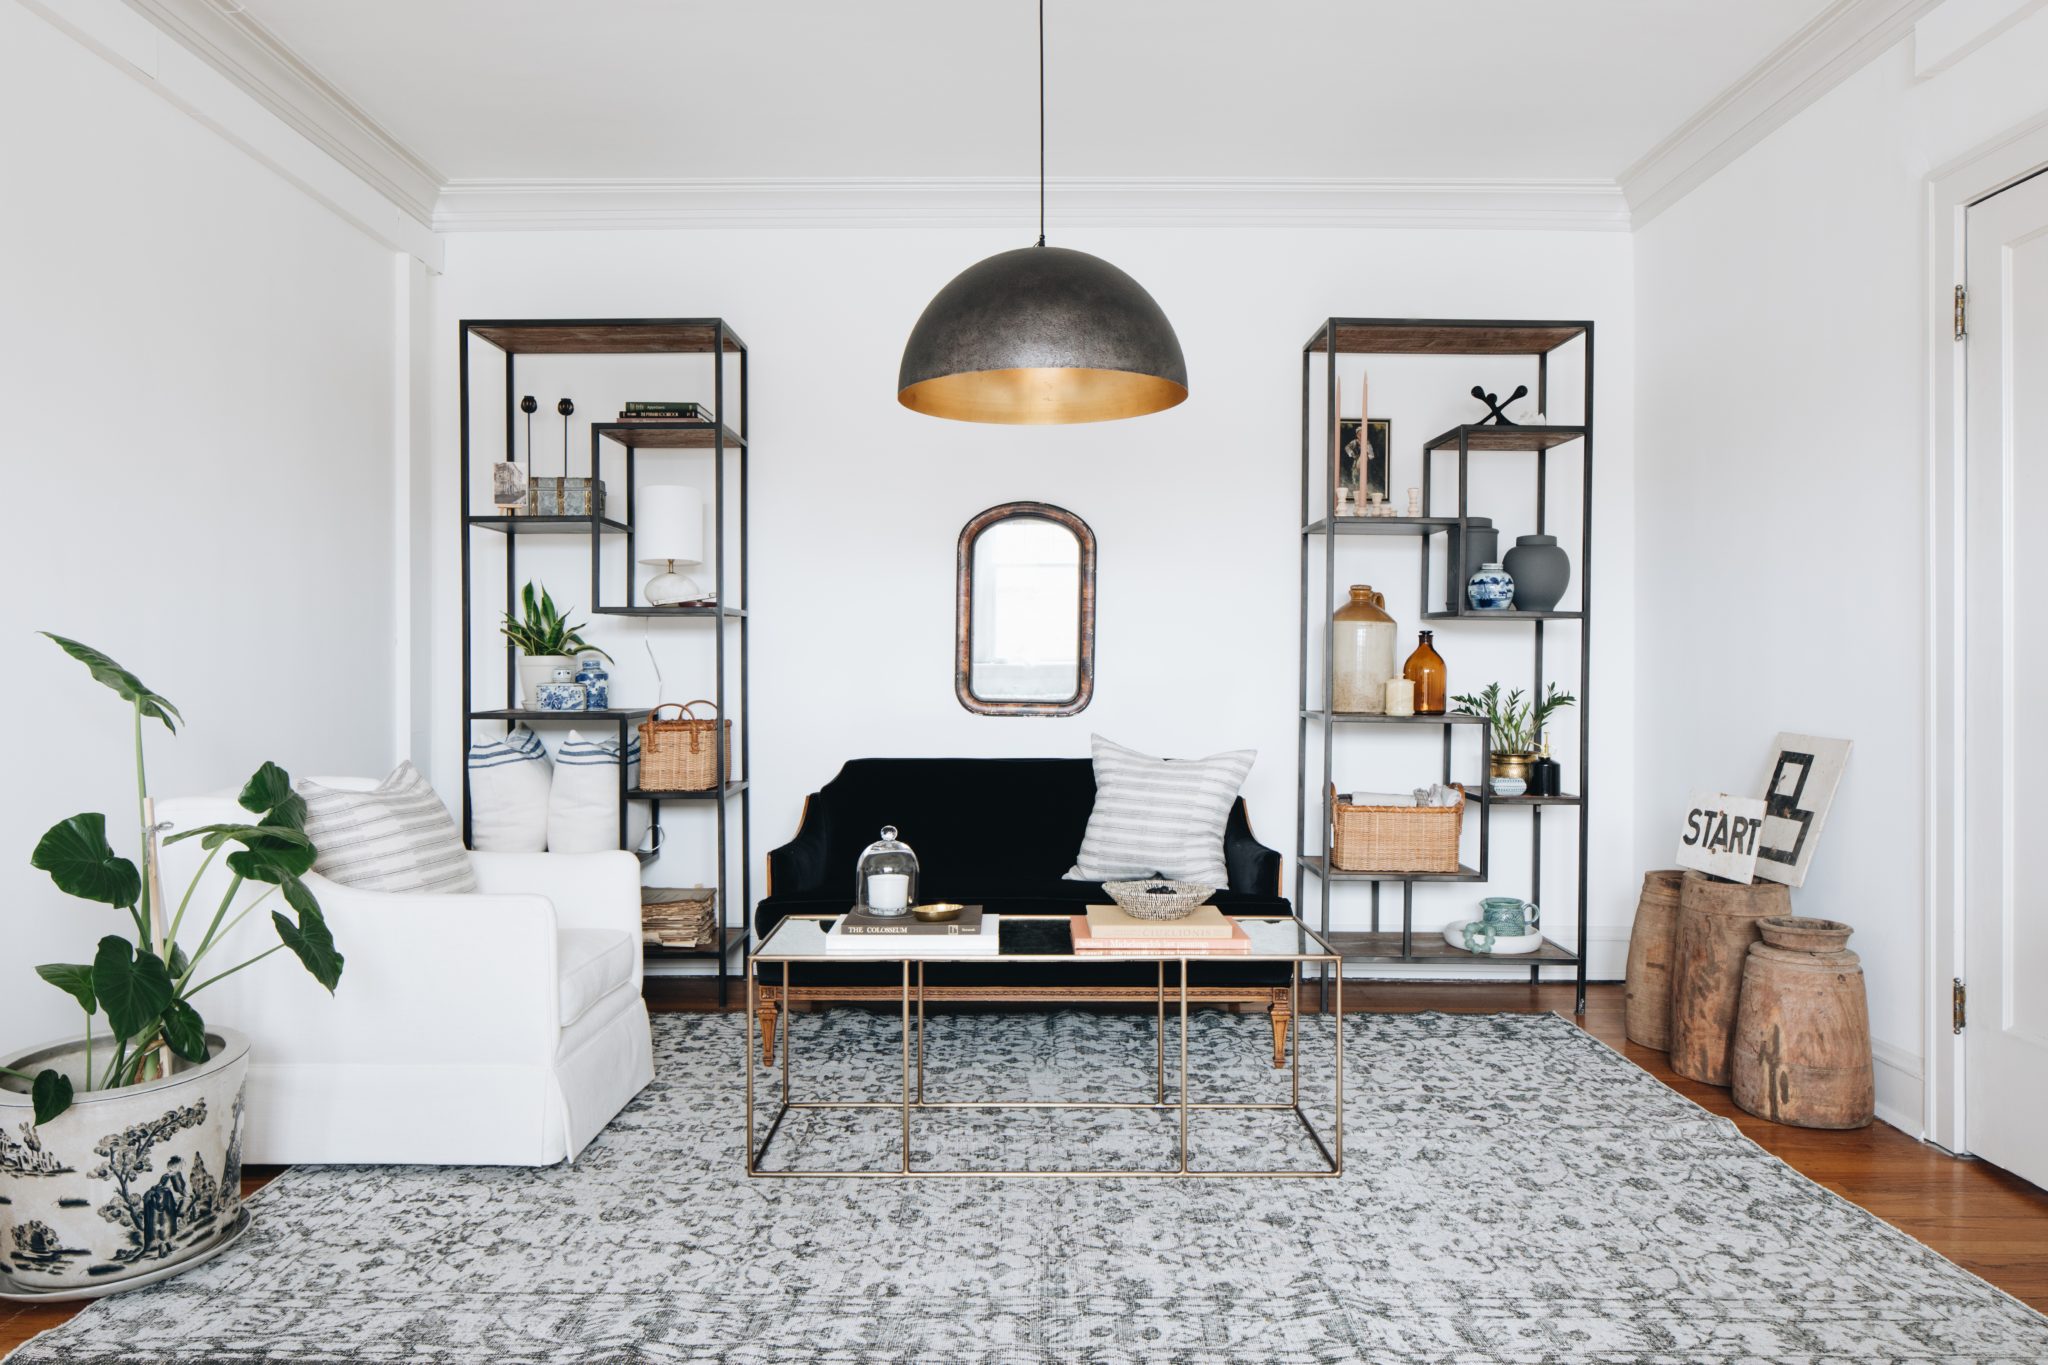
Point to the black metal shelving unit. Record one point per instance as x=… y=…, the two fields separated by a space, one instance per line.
x=1449 y=337
x=728 y=621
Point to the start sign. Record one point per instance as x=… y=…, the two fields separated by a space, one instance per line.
x=1720 y=835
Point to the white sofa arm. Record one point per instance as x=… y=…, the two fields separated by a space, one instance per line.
x=426 y=980
x=588 y=890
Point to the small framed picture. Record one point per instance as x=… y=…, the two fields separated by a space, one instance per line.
x=1365 y=468
x=508 y=487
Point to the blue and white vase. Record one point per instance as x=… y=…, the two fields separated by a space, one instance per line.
x=1491 y=589
x=562 y=696
x=596 y=680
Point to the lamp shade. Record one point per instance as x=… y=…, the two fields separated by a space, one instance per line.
x=668 y=524
x=1042 y=334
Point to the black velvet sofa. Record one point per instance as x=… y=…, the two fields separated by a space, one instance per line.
x=1000 y=833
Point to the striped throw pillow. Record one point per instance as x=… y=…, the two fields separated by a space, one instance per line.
x=583 y=804
x=396 y=837
x=1160 y=816
x=508 y=793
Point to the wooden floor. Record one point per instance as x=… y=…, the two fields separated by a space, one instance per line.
x=1991 y=1223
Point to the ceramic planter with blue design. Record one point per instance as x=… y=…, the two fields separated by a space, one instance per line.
x=125 y=1182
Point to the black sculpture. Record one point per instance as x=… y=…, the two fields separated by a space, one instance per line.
x=1498 y=408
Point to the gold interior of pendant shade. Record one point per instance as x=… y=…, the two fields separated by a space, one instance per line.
x=1033 y=397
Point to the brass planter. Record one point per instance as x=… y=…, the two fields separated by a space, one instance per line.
x=1514 y=766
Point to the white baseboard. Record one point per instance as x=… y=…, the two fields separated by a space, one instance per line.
x=1901 y=1096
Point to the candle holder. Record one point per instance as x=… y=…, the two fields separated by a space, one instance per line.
x=885 y=881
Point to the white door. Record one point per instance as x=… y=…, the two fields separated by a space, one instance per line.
x=2005 y=931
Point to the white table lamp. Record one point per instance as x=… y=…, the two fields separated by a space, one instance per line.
x=668 y=529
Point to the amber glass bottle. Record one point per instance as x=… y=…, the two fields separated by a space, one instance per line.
x=1425 y=668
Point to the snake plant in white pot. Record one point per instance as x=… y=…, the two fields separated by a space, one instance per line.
x=120 y=1149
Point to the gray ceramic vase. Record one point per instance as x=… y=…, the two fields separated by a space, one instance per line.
x=1481 y=547
x=1541 y=570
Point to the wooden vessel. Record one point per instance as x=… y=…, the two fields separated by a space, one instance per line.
x=1717 y=921
x=1648 y=991
x=1802 y=1034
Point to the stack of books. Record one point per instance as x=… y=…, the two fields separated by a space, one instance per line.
x=1205 y=933
x=664 y=412
x=972 y=934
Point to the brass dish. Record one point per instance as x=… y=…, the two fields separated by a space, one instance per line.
x=937 y=912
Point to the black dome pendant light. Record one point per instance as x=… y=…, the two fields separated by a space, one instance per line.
x=1042 y=335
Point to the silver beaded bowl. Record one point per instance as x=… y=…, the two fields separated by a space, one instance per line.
x=1158 y=898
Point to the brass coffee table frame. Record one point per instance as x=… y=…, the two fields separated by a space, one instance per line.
x=913 y=1099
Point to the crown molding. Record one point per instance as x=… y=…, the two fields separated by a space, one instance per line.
x=256 y=62
x=589 y=205
x=1838 y=43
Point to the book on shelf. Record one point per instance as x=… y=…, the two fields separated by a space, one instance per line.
x=908 y=925
x=987 y=943
x=648 y=406
x=1112 y=921
x=1087 y=945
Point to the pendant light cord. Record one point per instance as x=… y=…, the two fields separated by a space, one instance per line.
x=1041 y=122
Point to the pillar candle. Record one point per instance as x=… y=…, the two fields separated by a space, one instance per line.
x=1400 y=697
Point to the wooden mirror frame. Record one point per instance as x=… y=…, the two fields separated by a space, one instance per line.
x=1084 y=683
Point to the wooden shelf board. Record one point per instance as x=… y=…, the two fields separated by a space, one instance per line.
x=730 y=789
x=1389 y=526
x=1361 y=718
x=1526 y=800
x=548 y=526
x=1507 y=438
x=1510 y=615
x=731 y=612
x=669 y=435
x=652 y=336
x=1314 y=863
x=1427 y=945
x=520 y=713
x=1443 y=336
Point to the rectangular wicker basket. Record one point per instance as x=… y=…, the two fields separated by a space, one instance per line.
x=1395 y=838
x=680 y=754
x=678 y=916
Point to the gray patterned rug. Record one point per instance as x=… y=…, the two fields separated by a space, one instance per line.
x=1514 y=1191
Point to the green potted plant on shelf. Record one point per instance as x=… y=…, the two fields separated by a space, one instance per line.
x=120 y=1152
x=1518 y=726
x=546 y=641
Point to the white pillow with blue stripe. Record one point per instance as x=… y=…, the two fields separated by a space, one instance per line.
x=583 y=805
x=508 y=793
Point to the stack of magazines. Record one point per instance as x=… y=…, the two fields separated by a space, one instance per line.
x=970 y=934
x=1206 y=932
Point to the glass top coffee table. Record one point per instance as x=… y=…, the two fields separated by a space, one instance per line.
x=800 y=941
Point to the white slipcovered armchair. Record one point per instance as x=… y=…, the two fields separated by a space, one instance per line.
x=501 y=1028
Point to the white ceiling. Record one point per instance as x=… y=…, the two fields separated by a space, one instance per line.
x=615 y=89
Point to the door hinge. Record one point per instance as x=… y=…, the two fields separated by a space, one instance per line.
x=1962 y=313
x=1960 y=1009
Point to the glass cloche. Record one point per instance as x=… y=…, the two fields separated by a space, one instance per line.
x=886 y=880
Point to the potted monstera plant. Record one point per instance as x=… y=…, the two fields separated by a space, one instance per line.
x=120 y=1150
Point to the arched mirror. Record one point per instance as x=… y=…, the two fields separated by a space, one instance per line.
x=1026 y=621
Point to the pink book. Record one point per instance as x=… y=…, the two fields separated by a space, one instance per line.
x=1238 y=942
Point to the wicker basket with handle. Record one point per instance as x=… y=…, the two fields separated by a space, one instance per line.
x=1395 y=838
x=680 y=753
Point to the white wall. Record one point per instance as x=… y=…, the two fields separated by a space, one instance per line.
x=1783 y=428
x=196 y=370
x=857 y=503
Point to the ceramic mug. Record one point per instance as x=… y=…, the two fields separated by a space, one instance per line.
x=1510 y=916
x=1478 y=937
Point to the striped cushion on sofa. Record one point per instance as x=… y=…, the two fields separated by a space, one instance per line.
x=395 y=837
x=1160 y=816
